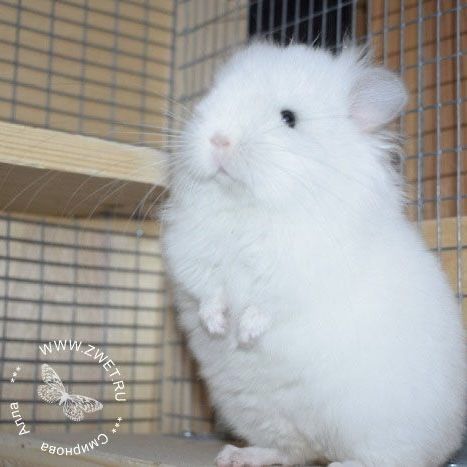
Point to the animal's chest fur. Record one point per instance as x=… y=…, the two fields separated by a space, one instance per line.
x=234 y=254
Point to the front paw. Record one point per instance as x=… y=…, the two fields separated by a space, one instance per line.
x=214 y=320
x=253 y=324
x=212 y=313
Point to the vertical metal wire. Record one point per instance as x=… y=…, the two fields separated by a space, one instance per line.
x=237 y=19
x=194 y=43
x=186 y=56
x=272 y=9
x=459 y=158
x=202 y=71
x=296 y=22
x=402 y=27
x=439 y=153
x=339 y=25
x=113 y=84
x=369 y=23
x=105 y=311
x=214 y=37
x=311 y=21
x=74 y=307
x=420 y=119
x=82 y=72
x=14 y=83
x=283 y=28
x=259 y=16
x=135 y=329
x=143 y=111
x=50 y=65
x=166 y=305
x=385 y=31
x=354 y=21
x=40 y=310
x=324 y=23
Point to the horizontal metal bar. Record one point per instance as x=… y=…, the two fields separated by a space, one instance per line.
x=188 y=417
x=78 y=324
x=100 y=345
x=435 y=154
x=82 y=266
x=433 y=200
x=150 y=6
x=449 y=248
x=77 y=115
x=77 y=246
x=433 y=61
x=74 y=227
x=103 y=401
x=120 y=363
x=106 y=306
x=87 y=421
x=181 y=379
x=85 y=381
x=78 y=285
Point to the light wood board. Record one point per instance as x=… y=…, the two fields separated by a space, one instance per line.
x=123 y=450
x=51 y=172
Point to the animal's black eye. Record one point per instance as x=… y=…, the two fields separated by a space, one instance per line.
x=289 y=118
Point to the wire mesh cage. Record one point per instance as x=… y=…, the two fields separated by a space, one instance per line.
x=125 y=71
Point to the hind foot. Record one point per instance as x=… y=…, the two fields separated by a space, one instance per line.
x=231 y=456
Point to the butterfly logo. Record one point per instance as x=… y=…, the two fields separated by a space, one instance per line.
x=74 y=406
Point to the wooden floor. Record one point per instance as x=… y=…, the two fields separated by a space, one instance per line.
x=122 y=450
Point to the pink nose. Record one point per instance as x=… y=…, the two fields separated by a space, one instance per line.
x=220 y=141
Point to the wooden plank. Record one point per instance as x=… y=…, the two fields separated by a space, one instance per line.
x=123 y=450
x=49 y=172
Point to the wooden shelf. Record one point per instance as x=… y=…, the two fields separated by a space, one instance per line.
x=55 y=173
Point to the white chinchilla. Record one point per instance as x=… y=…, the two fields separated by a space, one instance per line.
x=321 y=323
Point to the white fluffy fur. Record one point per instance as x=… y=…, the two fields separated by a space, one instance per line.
x=362 y=355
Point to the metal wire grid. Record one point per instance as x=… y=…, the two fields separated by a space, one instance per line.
x=422 y=40
x=95 y=68
x=429 y=55
x=93 y=283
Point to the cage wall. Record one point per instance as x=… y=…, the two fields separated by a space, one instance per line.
x=125 y=70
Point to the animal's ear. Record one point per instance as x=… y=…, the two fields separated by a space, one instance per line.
x=377 y=96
